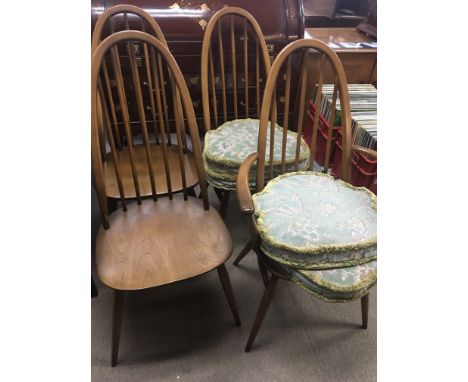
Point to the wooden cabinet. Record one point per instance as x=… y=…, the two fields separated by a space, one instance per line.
x=335 y=9
x=360 y=64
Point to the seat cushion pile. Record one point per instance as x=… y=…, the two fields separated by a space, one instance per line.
x=227 y=147
x=321 y=232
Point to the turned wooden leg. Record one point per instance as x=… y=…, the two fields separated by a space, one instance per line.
x=243 y=253
x=262 y=310
x=365 y=310
x=116 y=325
x=263 y=271
x=226 y=283
x=94 y=292
x=224 y=203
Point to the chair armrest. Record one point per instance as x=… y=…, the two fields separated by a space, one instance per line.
x=362 y=150
x=242 y=185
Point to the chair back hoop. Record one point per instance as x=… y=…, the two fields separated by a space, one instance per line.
x=327 y=55
x=208 y=79
x=124 y=9
x=157 y=48
x=157 y=32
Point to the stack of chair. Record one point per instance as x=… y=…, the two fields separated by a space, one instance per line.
x=307 y=227
x=171 y=236
x=224 y=80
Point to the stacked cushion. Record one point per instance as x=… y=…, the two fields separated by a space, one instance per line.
x=227 y=147
x=321 y=231
x=337 y=285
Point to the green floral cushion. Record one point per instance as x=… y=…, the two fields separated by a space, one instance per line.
x=310 y=220
x=229 y=185
x=226 y=178
x=230 y=172
x=233 y=141
x=336 y=285
x=321 y=260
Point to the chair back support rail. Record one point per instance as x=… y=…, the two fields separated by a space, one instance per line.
x=157 y=60
x=310 y=51
x=219 y=66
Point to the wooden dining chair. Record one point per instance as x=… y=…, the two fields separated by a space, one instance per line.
x=233 y=47
x=307 y=227
x=149 y=243
x=223 y=81
x=122 y=111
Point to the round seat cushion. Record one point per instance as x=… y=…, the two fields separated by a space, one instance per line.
x=333 y=285
x=233 y=141
x=310 y=220
x=336 y=285
x=227 y=147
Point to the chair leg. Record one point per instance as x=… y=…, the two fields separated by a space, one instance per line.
x=263 y=271
x=262 y=310
x=243 y=253
x=365 y=310
x=224 y=203
x=116 y=325
x=226 y=283
x=94 y=292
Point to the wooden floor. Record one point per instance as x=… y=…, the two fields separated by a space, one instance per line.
x=186 y=331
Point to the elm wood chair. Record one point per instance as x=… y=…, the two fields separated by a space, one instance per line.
x=307 y=227
x=121 y=111
x=231 y=98
x=221 y=82
x=164 y=240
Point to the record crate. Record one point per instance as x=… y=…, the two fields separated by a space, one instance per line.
x=322 y=135
x=363 y=169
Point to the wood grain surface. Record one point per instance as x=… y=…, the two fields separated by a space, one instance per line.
x=157 y=159
x=161 y=242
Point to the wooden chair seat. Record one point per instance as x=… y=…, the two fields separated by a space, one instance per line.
x=160 y=242
x=141 y=165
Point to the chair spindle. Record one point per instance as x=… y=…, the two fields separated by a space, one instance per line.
x=246 y=70
x=331 y=120
x=234 y=74
x=141 y=114
x=287 y=91
x=318 y=101
x=161 y=121
x=301 y=108
x=223 y=75
x=213 y=89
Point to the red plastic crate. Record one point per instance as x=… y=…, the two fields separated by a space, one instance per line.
x=322 y=135
x=363 y=169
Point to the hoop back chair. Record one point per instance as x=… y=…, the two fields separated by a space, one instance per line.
x=233 y=47
x=308 y=227
x=121 y=111
x=164 y=240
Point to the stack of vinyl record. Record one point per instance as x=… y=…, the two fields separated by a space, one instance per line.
x=363 y=103
x=227 y=147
